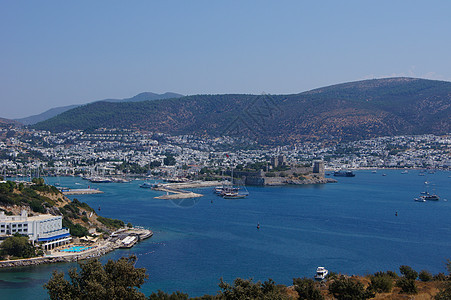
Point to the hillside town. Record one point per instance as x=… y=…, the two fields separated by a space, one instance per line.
x=125 y=152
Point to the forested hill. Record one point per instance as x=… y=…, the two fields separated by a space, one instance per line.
x=355 y=110
x=58 y=110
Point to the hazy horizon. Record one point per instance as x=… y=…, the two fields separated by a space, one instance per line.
x=57 y=54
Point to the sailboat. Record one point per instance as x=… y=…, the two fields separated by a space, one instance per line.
x=426 y=196
x=233 y=192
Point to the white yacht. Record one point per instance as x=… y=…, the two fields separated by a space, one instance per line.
x=321 y=273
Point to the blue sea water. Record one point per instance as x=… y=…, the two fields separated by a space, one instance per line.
x=349 y=227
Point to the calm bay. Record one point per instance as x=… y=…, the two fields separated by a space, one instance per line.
x=349 y=227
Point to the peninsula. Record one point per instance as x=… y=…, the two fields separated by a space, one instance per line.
x=39 y=225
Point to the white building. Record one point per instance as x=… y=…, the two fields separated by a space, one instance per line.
x=45 y=229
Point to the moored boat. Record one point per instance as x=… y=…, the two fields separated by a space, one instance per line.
x=344 y=173
x=234 y=196
x=148 y=185
x=430 y=197
x=321 y=273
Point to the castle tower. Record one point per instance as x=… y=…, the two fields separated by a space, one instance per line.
x=318 y=167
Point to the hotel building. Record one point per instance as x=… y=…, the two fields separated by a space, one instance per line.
x=46 y=230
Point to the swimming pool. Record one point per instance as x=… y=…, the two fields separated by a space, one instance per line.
x=76 y=249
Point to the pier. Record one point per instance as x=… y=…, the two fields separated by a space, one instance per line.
x=80 y=191
x=172 y=193
x=174 y=190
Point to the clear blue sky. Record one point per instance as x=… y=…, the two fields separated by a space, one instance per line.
x=55 y=53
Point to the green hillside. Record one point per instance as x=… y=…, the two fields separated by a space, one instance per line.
x=353 y=110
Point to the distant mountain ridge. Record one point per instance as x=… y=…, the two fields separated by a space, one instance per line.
x=355 y=110
x=58 y=110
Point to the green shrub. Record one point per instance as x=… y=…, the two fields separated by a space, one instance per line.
x=425 y=276
x=306 y=289
x=445 y=290
x=75 y=229
x=381 y=283
x=36 y=206
x=18 y=246
x=331 y=275
x=347 y=288
x=160 y=295
x=440 y=277
x=408 y=286
x=246 y=289
x=83 y=205
x=112 y=223
x=408 y=272
x=392 y=274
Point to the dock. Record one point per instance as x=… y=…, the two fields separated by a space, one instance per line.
x=127 y=238
x=174 y=190
x=173 y=193
x=80 y=191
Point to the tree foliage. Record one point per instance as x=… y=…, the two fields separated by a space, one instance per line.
x=345 y=288
x=381 y=283
x=112 y=223
x=160 y=295
x=246 y=289
x=75 y=229
x=12 y=194
x=114 y=280
x=17 y=246
x=445 y=290
x=408 y=272
x=407 y=281
x=408 y=286
x=425 y=276
x=307 y=289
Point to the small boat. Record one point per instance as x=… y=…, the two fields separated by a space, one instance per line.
x=321 y=273
x=343 y=173
x=234 y=196
x=98 y=179
x=419 y=199
x=404 y=172
x=430 y=197
x=384 y=174
x=224 y=189
x=146 y=185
